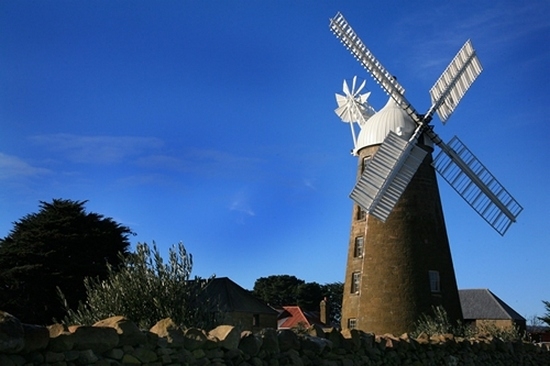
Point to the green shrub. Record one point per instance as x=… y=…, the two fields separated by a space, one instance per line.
x=145 y=290
x=439 y=324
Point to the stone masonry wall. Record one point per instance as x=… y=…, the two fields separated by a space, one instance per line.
x=117 y=341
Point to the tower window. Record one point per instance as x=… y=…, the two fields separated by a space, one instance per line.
x=435 y=284
x=355 y=282
x=361 y=214
x=352 y=323
x=358 y=248
x=366 y=161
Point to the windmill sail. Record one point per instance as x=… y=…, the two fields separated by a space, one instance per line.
x=467 y=175
x=343 y=31
x=387 y=175
x=451 y=86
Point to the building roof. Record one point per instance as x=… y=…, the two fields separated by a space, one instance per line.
x=293 y=316
x=390 y=118
x=230 y=297
x=483 y=304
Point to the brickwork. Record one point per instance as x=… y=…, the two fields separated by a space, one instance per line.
x=393 y=272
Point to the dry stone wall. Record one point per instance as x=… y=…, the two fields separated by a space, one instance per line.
x=117 y=341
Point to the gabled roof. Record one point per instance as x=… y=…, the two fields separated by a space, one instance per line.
x=483 y=304
x=293 y=316
x=230 y=297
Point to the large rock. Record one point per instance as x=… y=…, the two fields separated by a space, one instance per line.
x=287 y=340
x=11 y=334
x=316 y=345
x=228 y=336
x=194 y=338
x=167 y=329
x=270 y=343
x=97 y=339
x=36 y=337
x=61 y=339
x=128 y=332
x=250 y=344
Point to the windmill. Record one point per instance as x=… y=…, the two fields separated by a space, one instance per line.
x=390 y=171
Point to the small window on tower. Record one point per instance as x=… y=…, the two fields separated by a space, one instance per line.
x=352 y=323
x=366 y=161
x=361 y=214
x=355 y=282
x=358 y=248
x=435 y=285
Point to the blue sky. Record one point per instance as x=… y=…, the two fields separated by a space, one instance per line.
x=212 y=123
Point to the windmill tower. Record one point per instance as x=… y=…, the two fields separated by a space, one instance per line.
x=399 y=260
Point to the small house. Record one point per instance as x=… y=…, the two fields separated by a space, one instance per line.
x=481 y=307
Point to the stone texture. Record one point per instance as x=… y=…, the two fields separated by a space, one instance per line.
x=287 y=340
x=166 y=328
x=36 y=337
x=270 y=344
x=250 y=344
x=96 y=339
x=11 y=334
x=228 y=336
x=194 y=338
x=128 y=332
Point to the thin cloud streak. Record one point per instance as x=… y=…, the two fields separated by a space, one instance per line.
x=12 y=167
x=97 y=149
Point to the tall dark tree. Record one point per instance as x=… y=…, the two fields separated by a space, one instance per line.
x=546 y=317
x=56 y=247
x=334 y=293
x=309 y=295
x=282 y=290
x=277 y=290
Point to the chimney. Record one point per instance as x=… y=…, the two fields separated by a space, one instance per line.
x=323 y=311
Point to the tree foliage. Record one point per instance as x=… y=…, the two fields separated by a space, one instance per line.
x=278 y=290
x=146 y=290
x=546 y=317
x=283 y=290
x=58 y=246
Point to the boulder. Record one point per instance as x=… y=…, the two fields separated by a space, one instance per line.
x=96 y=339
x=228 y=336
x=194 y=338
x=11 y=334
x=316 y=345
x=250 y=344
x=128 y=332
x=270 y=343
x=36 y=337
x=61 y=339
x=287 y=340
x=167 y=329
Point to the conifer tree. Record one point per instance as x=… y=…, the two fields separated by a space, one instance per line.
x=58 y=246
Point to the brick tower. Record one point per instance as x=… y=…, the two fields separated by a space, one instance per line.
x=397 y=270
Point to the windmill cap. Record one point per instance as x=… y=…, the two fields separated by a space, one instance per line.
x=390 y=118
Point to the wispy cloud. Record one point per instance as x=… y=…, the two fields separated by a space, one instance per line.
x=204 y=161
x=495 y=27
x=14 y=167
x=240 y=204
x=97 y=149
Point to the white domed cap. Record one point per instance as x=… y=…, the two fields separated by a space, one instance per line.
x=390 y=118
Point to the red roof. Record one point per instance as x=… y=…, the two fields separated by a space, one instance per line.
x=293 y=316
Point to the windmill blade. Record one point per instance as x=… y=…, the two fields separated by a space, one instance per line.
x=343 y=31
x=457 y=78
x=387 y=175
x=467 y=175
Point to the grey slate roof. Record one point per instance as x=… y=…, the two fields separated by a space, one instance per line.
x=230 y=297
x=483 y=304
